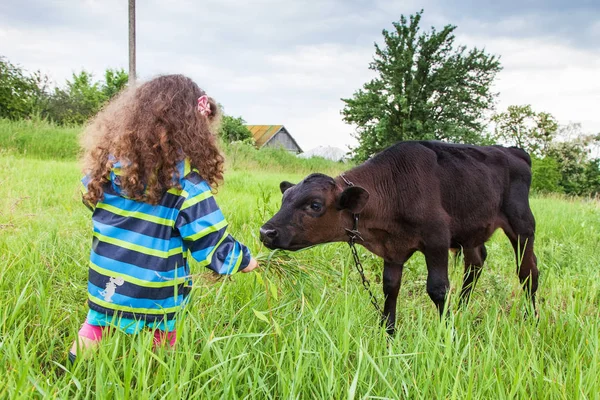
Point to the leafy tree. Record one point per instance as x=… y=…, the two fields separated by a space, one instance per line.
x=24 y=95
x=546 y=175
x=522 y=127
x=82 y=98
x=591 y=175
x=78 y=101
x=579 y=174
x=20 y=94
x=561 y=154
x=426 y=88
x=115 y=80
x=233 y=129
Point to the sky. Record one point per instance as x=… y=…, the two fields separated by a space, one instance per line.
x=291 y=61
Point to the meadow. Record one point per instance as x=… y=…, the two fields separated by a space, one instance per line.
x=301 y=327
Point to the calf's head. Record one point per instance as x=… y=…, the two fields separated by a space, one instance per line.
x=314 y=211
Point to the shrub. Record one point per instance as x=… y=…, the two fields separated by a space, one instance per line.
x=20 y=94
x=233 y=130
x=82 y=98
x=579 y=174
x=546 y=175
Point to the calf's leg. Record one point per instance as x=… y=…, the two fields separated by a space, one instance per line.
x=526 y=264
x=392 y=278
x=474 y=259
x=437 y=275
x=521 y=233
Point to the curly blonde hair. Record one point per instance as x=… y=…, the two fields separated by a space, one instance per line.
x=150 y=129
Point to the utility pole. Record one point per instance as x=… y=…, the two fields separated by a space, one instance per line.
x=131 y=42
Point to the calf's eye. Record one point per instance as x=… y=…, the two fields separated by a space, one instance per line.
x=315 y=206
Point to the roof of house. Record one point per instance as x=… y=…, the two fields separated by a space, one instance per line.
x=263 y=133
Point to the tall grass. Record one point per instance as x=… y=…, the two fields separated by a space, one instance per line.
x=39 y=139
x=302 y=327
x=243 y=157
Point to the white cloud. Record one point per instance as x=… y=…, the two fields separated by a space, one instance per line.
x=321 y=128
x=307 y=85
x=549 y=75
x=58 y=53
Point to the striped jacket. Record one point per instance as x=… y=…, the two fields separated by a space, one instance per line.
x=138 y=263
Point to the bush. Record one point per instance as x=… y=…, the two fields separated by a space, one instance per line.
x=579 y=174
x=546 y=175
x=233 y=130
x=26 y=96
x=591 y=175
x=20 y=94
x=82 y=98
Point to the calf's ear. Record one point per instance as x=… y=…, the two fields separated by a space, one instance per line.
x=285 y=185
x=353 y=199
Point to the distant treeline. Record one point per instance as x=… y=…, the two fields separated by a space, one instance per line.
x=26 y=95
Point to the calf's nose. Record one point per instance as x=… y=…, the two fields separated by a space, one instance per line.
x=267 y=235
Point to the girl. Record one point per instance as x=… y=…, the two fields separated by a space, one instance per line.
x=151 y=163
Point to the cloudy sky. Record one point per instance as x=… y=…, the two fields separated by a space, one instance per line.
x=290 y=61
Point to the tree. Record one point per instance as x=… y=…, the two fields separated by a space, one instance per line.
x=115 y=80
x=82 y=97
x=546 y=175
x=24 y=95
x=562 y=155
x=522 y=127
x=579 y=174
x=233 y=129
x=592 y=178
x=426 y=88
x=20 y=94
x=77 y=102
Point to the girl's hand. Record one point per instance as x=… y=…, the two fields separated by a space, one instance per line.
x=253 y=264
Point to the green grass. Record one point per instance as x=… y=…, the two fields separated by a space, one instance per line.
x=39 y=139
x=303 y=326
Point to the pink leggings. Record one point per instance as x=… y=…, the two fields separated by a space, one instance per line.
x=94 y=332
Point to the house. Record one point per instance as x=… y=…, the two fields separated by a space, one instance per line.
x=273 y=136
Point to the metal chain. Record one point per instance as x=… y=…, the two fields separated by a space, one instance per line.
x=359 y=267
x=354 y=234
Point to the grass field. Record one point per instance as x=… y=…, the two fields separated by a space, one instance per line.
x=303 y=326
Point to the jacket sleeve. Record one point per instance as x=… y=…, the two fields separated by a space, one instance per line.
x=203 y=229
x=84 y=182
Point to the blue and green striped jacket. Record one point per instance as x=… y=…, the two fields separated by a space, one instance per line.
x=138 y=264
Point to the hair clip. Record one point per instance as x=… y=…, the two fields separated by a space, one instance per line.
x=204 y=105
